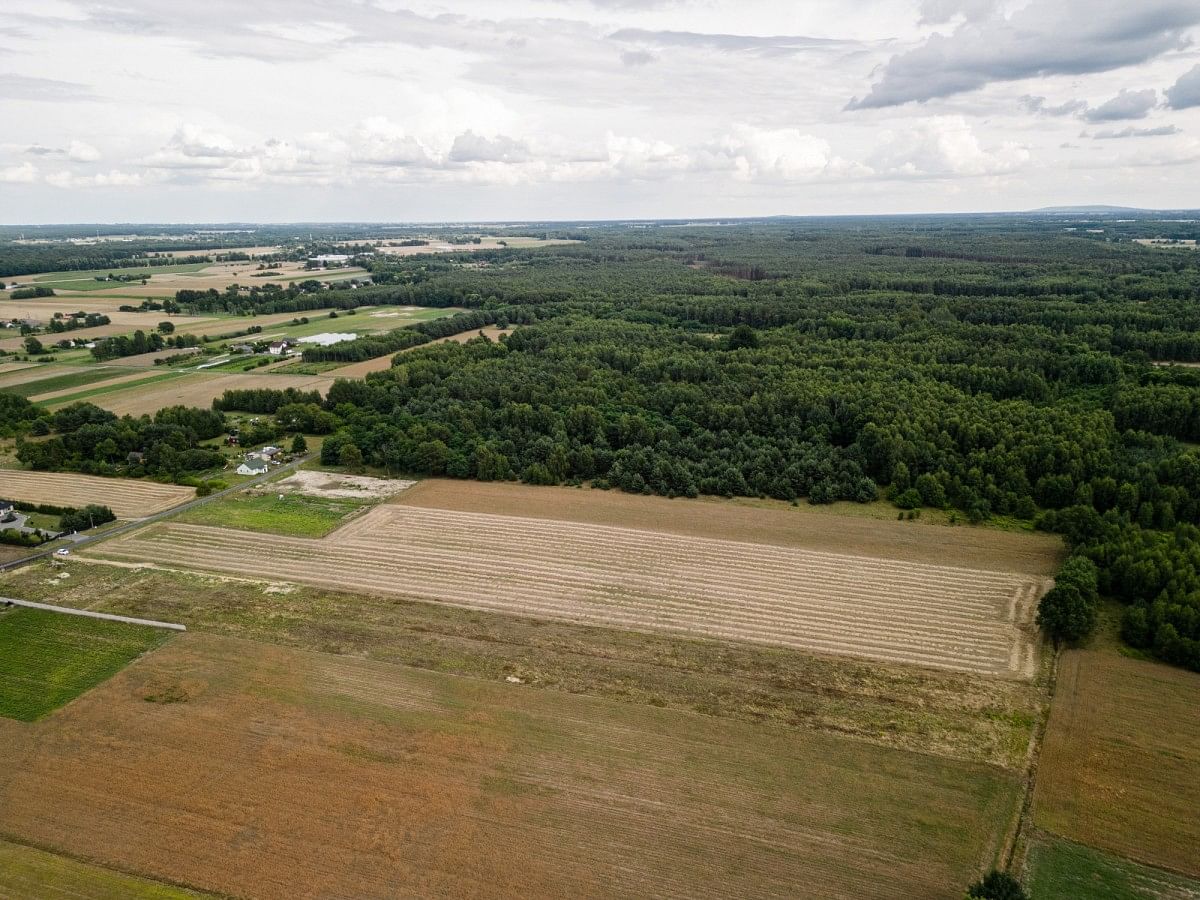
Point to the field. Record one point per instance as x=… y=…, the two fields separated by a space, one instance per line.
x=933 y=711
x=68 y=380
x=70 y=392
x=275 y=513
x=29 y=872
x=888 y=609
x=127 y=497
x=1120 y=767
x=48 y=658
x=282 y=773
x=195 y=389
x=1058 y=869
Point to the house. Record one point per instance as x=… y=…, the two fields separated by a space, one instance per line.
x=241 y=348
x=252 y=466
x=5 y=507
x=277 y=347
x=270 y=452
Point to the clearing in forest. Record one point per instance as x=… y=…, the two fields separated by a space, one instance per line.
x=890 y=609
x=1120 y=766
x=263 y=771
x=127 y=497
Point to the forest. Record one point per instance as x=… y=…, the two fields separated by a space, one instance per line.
x=1019 y=371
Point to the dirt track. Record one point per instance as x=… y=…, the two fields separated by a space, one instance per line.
x=940 y=616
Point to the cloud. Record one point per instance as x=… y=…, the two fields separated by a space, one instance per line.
x=772 y=45
x=1038 y=106
x=67 y=179
x=938 y=12
x=944 y=147
x=1047 y=37
x=637 y=57
x=26 y=173
x=1126 y=105
x=81 y=151
x=1185 y=93
x=1129 y=132
x=472 y=147
x=765 y=154
x=23 y=87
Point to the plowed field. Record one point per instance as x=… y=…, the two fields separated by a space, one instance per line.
x=965 y=619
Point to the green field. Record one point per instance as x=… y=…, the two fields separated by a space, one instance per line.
x=48 y=658
x=1058 y=869
x=28 y=872
x=61 y=382
x=152 y=375
x=293 y=514
x=86 y=280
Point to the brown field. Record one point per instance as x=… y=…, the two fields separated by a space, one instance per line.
x=217 y=276
x=760 y=522
x=362 y=369
x=6 y=368
x=126 y=497
x=890 y=609
x=35 y=372
x=281 y=773
x=129 y=323
x=118 y=379
x=1120 y=766
x=196 y=389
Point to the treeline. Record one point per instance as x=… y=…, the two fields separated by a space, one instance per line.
x=31 y=293
x=140 y=342
x=264 y=400
x=84 y=438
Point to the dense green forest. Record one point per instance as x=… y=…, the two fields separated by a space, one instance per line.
x=1031 y=369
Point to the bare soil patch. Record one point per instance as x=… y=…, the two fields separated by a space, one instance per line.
x=812 y=528
x=127 y=497
x=896 y=610
x=336 y=484
x=292 y=774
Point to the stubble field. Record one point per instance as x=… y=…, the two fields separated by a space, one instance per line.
x=890 y=609
x=280 y=773
x=196 y=389
x=127 y=497
x=1120 y=767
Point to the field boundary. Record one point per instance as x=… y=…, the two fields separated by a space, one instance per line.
x=128 y=620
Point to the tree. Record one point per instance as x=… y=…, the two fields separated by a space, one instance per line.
x=1065 y=614
x=166 y=327
x=33 y=346
x=351 y=457
x=996 y=885
x=299 y=444
x=743 y=336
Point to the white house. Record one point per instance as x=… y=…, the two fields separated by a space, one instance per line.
x=277 y=347
x=252 y=466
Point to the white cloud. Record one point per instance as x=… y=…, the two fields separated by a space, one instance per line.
x=81 y=151
x=1126 y=105
x=1185 y=93
x=26 y=173
x=944 y=146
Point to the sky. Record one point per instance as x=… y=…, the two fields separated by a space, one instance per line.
x=458 y=110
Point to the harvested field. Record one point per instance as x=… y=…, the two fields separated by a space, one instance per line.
x=8 y=367
x=127 y=497
x=775 y=523
x=950 y=714
x=280 y=773
x=35 y=372
x=362 y=369
x=899 y=611
x=1120 y=766
x=197 y=389
x=335 y=484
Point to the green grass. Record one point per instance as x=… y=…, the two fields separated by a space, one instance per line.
x=1058 y=869
x=99 y=391
x=86 y=280
x=295 y=514
x=239 y=363
x=29 y=872
x=48 y=658
x=61 y=382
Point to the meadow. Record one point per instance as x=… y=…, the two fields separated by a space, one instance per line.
x=1057 y=869
x=30 y=872
x=269 y=512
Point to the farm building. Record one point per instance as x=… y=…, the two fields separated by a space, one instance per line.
x=277 y=347
x=252 y=466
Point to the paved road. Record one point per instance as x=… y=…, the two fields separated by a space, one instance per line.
x=86 y=538
x=87 y=613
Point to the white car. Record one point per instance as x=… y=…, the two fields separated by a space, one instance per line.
x=62 y=551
